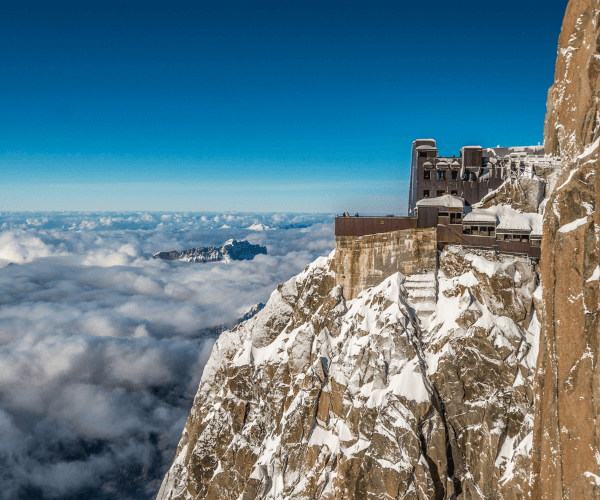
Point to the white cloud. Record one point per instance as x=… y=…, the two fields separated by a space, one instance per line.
x=102 y=347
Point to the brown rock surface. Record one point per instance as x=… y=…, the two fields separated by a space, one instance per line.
x=521 y=194
x=321 y=398
x=566 y=453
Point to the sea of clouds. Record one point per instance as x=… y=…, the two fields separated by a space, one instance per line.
x=102 y=347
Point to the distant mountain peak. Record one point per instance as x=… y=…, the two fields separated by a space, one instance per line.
x=230 y=250
x=257 y=226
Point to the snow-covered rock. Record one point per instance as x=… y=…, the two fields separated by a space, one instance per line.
x=230 y=250
x=418 y=388
x=257 y=226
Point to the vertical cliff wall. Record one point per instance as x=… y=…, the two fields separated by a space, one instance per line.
x=566 y=453
x=365 y=261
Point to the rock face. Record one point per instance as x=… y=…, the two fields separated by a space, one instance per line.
x=566 y=456
x=251 y=312
x=523 y=194
x=230 y=250
x=317 y=397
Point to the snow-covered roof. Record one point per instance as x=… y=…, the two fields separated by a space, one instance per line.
x=442 y=164
x=426 y=147
x=508 y=219
x=428 y=164
x=447 y=201
x=479 y=216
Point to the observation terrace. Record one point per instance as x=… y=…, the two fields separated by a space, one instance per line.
x=448 y=231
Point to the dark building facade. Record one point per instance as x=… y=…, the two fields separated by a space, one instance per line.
x=471 y=176
x=442 y=190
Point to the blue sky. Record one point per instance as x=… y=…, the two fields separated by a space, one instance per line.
x=259 y=106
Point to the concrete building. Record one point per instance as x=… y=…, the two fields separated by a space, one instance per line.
x=472 y=175
x=442 y=192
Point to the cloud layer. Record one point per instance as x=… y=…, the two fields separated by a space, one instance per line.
x=102 y=347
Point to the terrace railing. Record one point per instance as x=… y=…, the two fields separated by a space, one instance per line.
x=447 y=233
x=363 y=226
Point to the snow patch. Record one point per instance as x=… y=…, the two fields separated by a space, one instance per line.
x=571 y=226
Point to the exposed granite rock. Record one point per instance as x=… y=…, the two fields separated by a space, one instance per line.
x=317 y=397
x=572 y=110
x=251 y=312
x=230 y=250
x=566 y=457
x=485 y=331
x=524 y=194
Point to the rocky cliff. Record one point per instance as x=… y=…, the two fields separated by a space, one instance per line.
x=566 y=456
x=230 y=250
x=317 y=397
x=522 y=193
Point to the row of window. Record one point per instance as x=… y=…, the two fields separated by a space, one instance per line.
x=491 y=231
x=480 y=230
x=439 y=192
x=441 y=175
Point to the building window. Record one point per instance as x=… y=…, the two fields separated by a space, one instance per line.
x=426 y=193
x=444 y=214
x=455 y=175
x=440 y=193
x=454 y=192
x=422 y=154
x=466 y=229
x=427 y=175
x=473 y=177
x=441 y=175
x=536 y=243
x=507 y=237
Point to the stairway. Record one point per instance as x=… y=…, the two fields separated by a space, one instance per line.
x=422 y=294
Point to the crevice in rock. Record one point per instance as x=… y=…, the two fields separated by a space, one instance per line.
x=439 y=406
x=438 y=485
x=314 y=421
x=450 y=459
x=246 y=412
x=411 y=480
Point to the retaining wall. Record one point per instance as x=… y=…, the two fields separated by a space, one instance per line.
x=365 y=261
